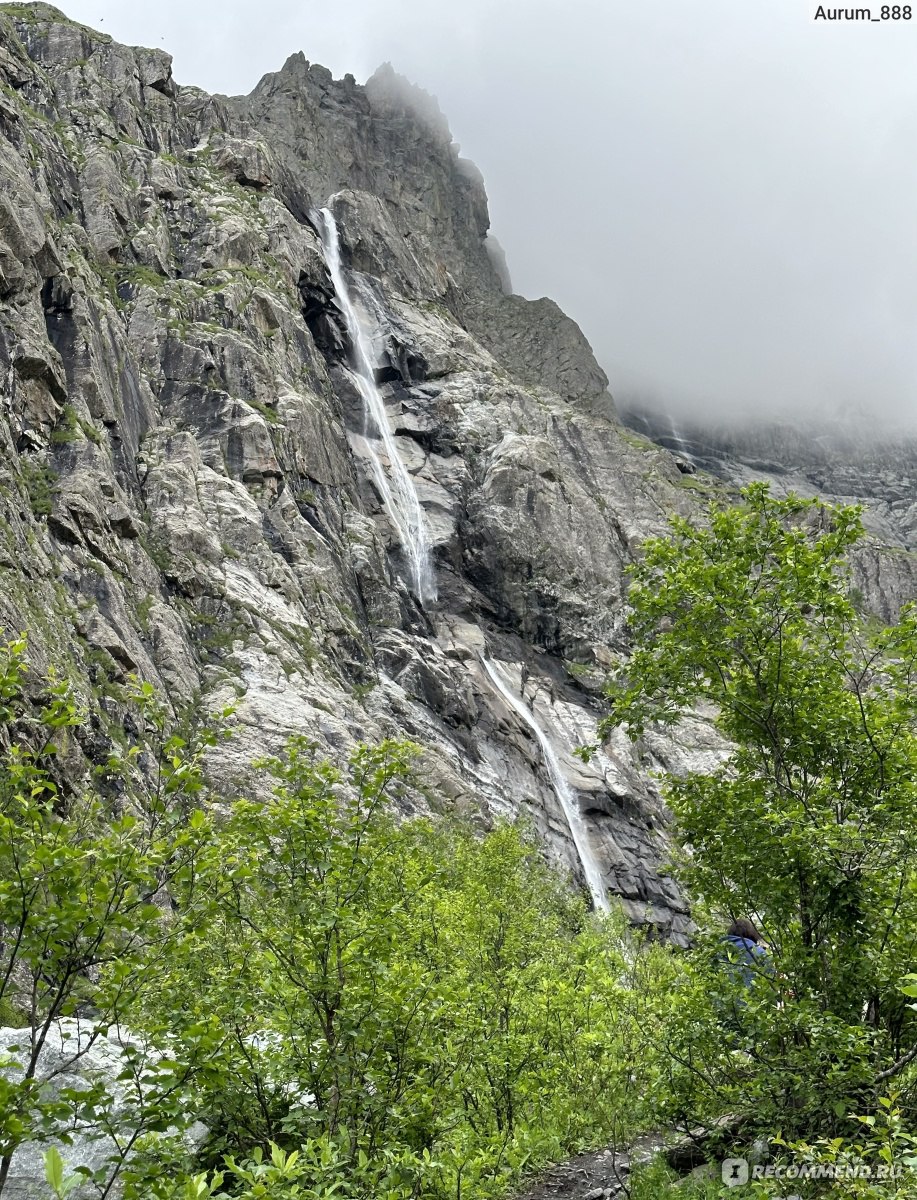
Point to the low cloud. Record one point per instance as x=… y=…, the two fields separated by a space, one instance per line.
x=721 y=193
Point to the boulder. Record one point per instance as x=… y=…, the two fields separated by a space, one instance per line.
x=77 y=1056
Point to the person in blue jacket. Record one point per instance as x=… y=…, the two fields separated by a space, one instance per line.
x=746 y=951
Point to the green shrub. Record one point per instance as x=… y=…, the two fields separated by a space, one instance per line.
x=808 y=826
x=77 y=877
x=355 y=1005
x=415 y=1009
x=39 y=481
x=66 y=430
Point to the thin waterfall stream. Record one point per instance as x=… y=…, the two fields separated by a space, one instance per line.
x=679 y=447
x=562 y=788
x=395 y=485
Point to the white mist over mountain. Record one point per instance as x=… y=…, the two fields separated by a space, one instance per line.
x=722 y=193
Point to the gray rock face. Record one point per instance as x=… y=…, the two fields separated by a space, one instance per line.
x=845 y=464
x=75 y=1058
x=184 y=486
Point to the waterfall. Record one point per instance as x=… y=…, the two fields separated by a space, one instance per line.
x=396 y=487
x=562 y=788
x=679 y=444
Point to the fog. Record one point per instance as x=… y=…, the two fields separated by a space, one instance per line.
x=723 y=192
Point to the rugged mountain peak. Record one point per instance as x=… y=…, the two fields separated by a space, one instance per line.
x=389 y=92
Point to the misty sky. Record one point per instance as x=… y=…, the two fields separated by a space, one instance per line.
x=722 y=192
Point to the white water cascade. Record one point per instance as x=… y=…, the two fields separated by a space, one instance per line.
x=562 y=788
x=395 y=484
x=680 y=447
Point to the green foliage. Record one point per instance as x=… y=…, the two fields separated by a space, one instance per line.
x=878 y=1164
x=70 y=426
x=66 y=430
x=60 y=1184
x=413 y=1009
x=39 y=481
x=356 y=1006
x=362 y=1006
x=809 y=826
x=143 y=609
x=656 y=1181
x=142 y=276
x=158 y=551
x=269 y=414
x=78 y=876
x=704 y=484
x=90 y=431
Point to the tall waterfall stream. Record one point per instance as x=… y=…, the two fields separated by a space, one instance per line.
x=395 y=484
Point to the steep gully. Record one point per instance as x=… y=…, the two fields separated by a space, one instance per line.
x=562 y=789
x=395 y=484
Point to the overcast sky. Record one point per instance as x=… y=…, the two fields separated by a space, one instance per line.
x=722 y=192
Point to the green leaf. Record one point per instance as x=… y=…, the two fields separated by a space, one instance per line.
x=54 y=1169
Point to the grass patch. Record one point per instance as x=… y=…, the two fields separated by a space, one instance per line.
x=39 y=481
x=157 y=552
x=637 y=440
x=705 y=485
x=143 y=611
x=66 y=430
x=268 y=413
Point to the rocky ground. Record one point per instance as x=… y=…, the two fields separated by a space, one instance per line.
x=601 y=1175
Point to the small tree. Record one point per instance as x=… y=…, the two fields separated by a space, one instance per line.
x=80 y=877
x=810 y=825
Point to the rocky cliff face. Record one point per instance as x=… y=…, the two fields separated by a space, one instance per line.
x=185 y=491
x=845 y=463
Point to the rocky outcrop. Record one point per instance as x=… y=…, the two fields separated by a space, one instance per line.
x=847 y=463
x=184 y=486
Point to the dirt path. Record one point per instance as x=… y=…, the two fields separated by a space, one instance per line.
x=600 y=1175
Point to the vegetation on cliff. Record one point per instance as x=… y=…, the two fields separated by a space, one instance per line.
x=808 y=826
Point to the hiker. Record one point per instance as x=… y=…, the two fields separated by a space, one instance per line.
x=747 y=954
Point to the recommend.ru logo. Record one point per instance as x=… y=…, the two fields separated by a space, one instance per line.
x=735 y=1171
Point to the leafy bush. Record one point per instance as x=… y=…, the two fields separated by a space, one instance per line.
x=353 y=1004
x=78 y=878
x=809 y=826
x=429 y=1011
x=879 y=1164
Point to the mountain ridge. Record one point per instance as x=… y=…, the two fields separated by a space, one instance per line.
x=848 y=462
